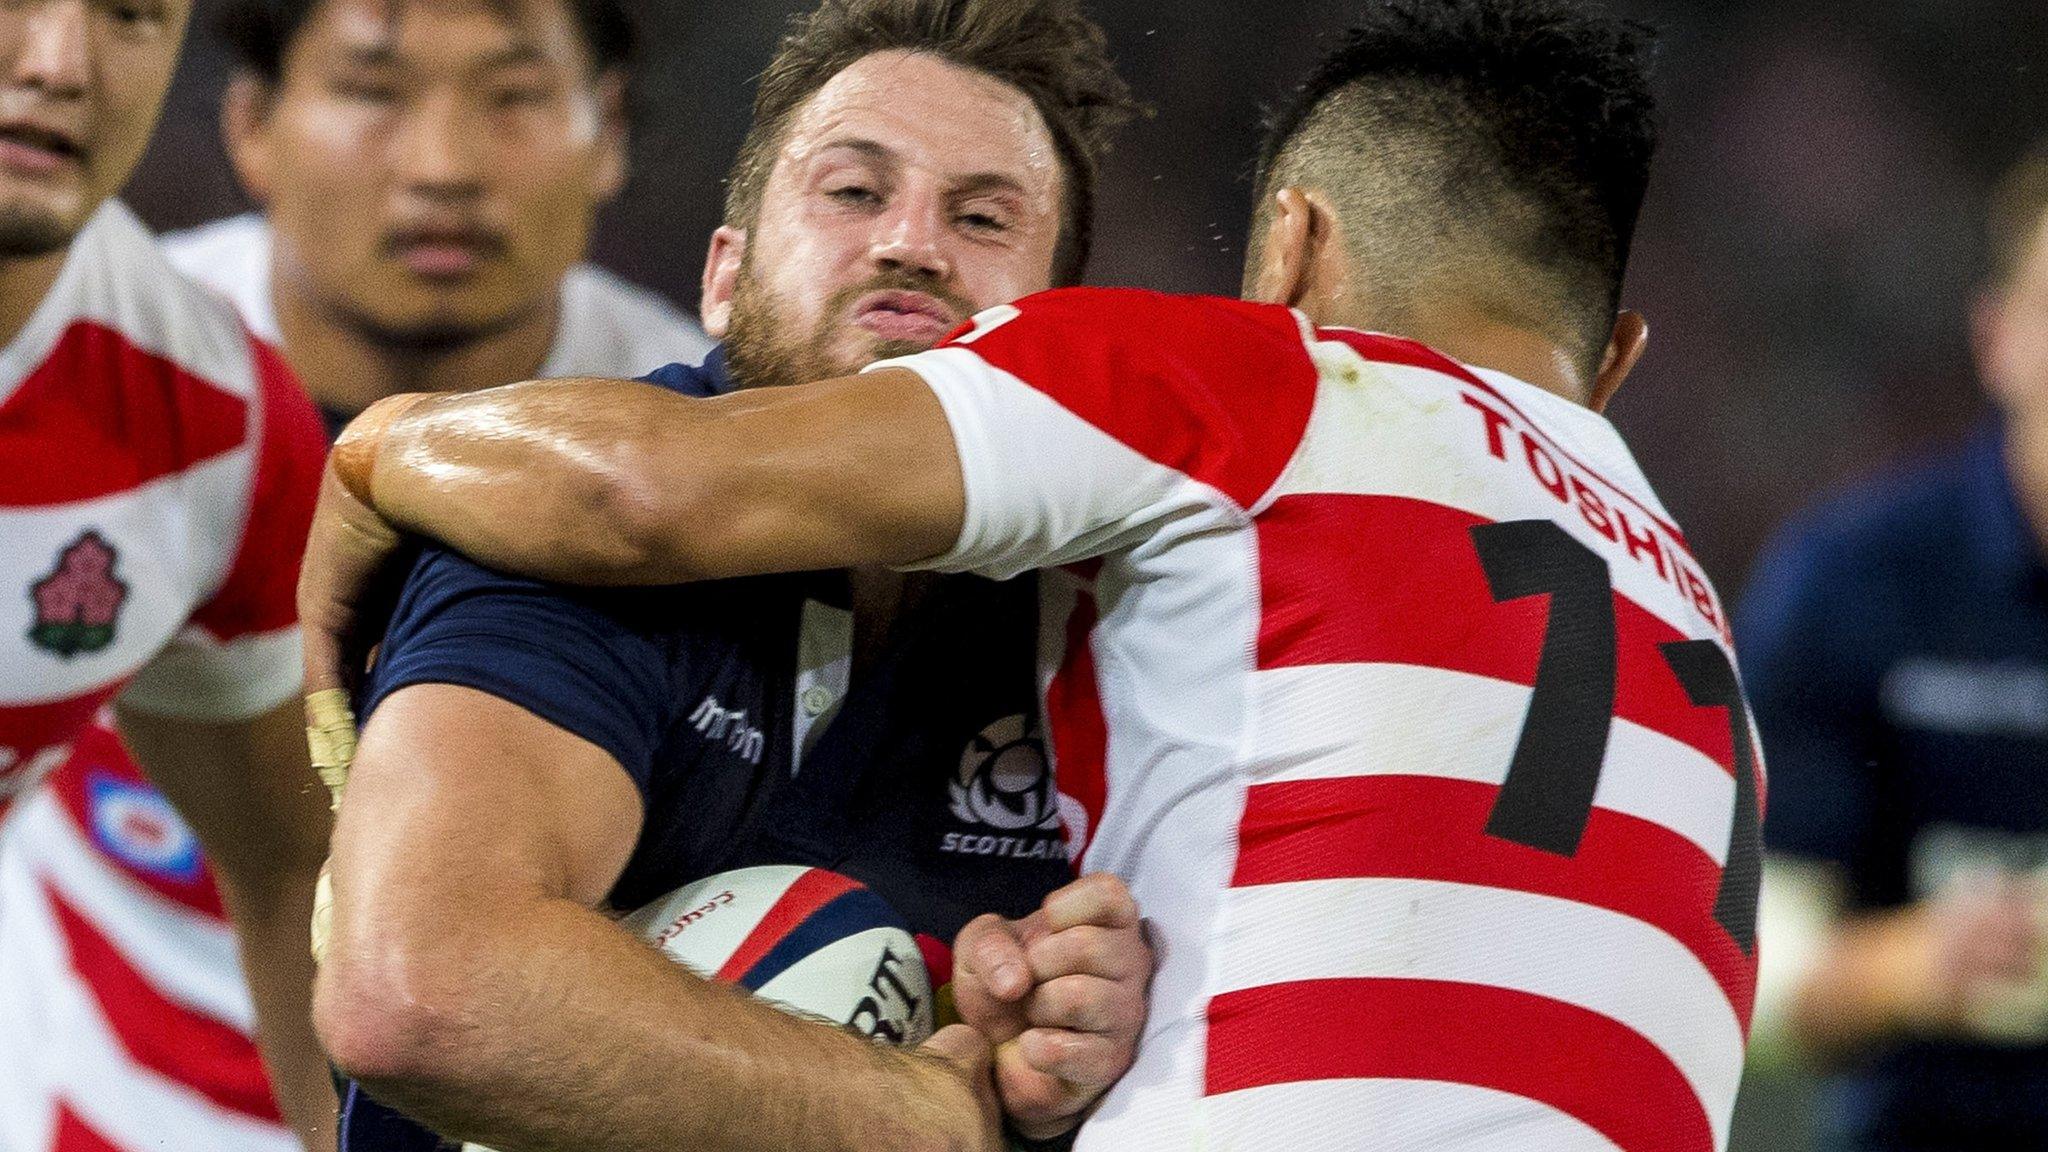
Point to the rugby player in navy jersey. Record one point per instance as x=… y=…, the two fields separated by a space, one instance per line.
x=534 y=754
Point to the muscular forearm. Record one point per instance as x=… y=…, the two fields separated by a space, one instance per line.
x=565 y=1033
x=550 y=478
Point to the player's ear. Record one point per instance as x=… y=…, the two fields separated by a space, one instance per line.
x=614 y=142
x=1284 y=271
x=722 y=265
x=245 y=131
x=1625 y=347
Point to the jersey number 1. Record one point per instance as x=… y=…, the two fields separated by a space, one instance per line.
x=1547 y=798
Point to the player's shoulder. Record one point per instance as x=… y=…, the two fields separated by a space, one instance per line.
x=612 y=327
x=443 y=581
x=119 y=284
x=230 y=256
x=1140 y=319
x=226 y=242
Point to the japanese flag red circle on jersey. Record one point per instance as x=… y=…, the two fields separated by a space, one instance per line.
x=807 y=939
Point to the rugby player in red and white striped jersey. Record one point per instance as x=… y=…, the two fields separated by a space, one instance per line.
x=157 y=472
x=1382 y=676
x=97 y=850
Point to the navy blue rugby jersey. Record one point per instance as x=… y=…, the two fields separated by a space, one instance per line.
x=1895 y=645
x=729 y=705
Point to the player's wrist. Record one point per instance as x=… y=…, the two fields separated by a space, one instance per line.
x=355 y=454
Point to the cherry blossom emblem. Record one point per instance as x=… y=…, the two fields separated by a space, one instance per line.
x=77 y=604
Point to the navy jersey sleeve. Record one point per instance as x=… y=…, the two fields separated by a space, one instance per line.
x=586 y=660
x=1812 y=691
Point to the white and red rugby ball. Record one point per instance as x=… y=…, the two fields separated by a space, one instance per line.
x=805 y=938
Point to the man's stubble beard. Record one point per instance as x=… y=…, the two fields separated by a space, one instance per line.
x=761 y=352
x=28 y=233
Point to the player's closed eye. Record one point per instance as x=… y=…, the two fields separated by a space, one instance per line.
x=521 y=96
x=854 y=194
x=365 y=91
x=137 y=17
x=983 y=222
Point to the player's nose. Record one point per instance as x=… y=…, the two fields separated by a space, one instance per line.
x=911 y=235
x=55 y=51
x=437 y=150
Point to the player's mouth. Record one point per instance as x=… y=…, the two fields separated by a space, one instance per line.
x=911 y=317
x=31 y=149
x=444 y=252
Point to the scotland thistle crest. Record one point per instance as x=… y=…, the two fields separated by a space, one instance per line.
x=76 y=605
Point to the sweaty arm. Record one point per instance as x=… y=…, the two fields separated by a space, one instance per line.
x=470 y=980
x=1051 y=431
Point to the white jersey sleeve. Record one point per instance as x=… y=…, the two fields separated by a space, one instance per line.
x=1088 y=420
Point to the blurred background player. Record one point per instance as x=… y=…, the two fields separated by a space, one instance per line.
x=1896 y=643
x=1339 y=573
x=910 y=162
x=157 y=467
x=430 y=170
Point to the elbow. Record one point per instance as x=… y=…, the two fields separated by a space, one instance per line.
x=391 y=1018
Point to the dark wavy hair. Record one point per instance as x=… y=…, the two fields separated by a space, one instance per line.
x=1048 y=49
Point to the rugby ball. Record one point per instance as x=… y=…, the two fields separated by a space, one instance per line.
x=812 y=941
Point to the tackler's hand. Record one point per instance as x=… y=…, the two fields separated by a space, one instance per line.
x=1061 y=993
x=350 y=546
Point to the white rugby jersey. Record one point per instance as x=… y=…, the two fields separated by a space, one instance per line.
x=1404 y=709
x=115 y=920
x=607 y=324
x=158 y=468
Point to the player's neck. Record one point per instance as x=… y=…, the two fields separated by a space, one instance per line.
x=1528 y=356
x=23 y=284
x=1470 y=336
x=347 y=369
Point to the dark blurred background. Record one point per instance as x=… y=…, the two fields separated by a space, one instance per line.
x=1806 y=258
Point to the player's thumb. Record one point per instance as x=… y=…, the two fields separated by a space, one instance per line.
x=964 y=1047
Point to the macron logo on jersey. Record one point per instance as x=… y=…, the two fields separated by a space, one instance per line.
x=729 y=726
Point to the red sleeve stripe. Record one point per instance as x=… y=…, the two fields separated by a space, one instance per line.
x=1413 y=592
x=101 y=416
x=260 y=593
x=1382 y=349
x=1218 y=390
x=211 y=1058
x=1564 y=1057
x=1427 y=828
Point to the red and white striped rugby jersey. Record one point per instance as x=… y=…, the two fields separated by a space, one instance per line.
x=1396 y=696
x=157 y=474
x=158 y=468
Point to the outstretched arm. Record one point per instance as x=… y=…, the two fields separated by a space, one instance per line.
x=616 y=482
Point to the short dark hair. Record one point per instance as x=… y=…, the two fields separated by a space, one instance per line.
x=1466 y=138
x=1047 y=49
x=260 y=32
x=2018 y=208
